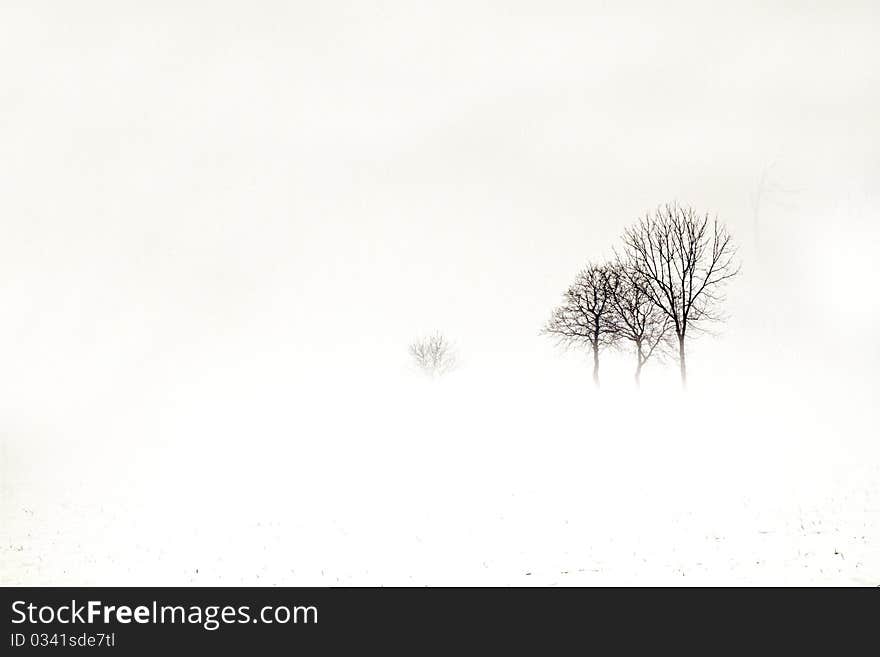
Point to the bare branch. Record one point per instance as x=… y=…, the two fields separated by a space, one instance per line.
x=638 y=320
x=680 y=260
x=586 y=315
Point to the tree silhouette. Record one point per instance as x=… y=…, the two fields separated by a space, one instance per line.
x=637 y=319
x=586 y=316
x=433 y=355
x=680 y=261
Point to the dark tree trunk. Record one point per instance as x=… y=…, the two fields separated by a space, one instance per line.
x=596 y=364
x=682 y=362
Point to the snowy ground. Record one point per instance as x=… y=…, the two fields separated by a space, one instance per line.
x=445 y=484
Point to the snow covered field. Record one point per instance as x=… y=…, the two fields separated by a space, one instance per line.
x=455 y=483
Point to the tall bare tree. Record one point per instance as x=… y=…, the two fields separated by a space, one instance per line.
x=681 y=261
x=433 y=355
x=585 y=316
x=637 y=319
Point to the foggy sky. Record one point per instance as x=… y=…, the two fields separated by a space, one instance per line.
x=193 y=186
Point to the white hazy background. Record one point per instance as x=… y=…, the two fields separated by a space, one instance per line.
x=223 y=222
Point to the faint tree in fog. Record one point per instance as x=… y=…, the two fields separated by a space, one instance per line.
x=765 y=190
x=586 y=316
x=681 y=260
x=433 y=355
x=636 y=318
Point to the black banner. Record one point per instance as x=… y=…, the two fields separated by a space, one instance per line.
x=148 y=620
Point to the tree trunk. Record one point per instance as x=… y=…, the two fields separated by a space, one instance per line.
x=639 y=362
x=682 y=362
x=596 y=364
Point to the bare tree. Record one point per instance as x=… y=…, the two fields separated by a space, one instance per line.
x=637 y=319
x=681 y=261
x=433 y=355
x=585 y=316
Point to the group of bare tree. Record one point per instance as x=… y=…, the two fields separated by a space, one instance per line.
x=663 y=285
